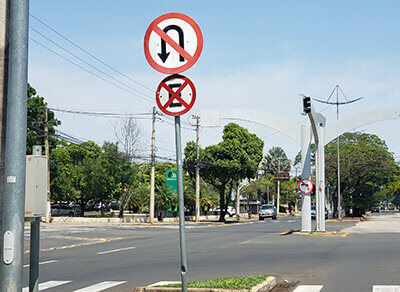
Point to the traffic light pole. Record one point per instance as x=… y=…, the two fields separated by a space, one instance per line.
x=318 y=122
x=15 y=152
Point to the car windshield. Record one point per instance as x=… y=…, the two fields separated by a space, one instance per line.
x=265 y=207
x=312 y=207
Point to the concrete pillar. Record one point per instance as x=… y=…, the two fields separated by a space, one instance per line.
x=305 y=174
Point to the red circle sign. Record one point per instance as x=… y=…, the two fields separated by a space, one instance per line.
x=173 y=43
x=175 y=95
x=305 y=186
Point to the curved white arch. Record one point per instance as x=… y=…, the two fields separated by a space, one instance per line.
x=357 y=120
x=211 y=118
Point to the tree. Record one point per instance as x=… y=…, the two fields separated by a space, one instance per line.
x=128 y=135
x=366 y=168
x=36 y=122
x=235 y=158
x=275 y=161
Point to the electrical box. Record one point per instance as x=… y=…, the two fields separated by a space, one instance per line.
x=36 y=186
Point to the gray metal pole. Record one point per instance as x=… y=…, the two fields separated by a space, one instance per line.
x=3 y=95
x=152 y=174
x=14 y=196
x=305 y=174
x=34 y=255
x=181 y=205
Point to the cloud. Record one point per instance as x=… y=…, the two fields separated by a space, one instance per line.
x=272 y=87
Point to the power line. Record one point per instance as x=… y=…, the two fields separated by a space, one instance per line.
x=87 y=63
x=102 y=114
x=90 y=72
x=88 y=53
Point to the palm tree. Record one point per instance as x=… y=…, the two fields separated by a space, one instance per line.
x=275 y=161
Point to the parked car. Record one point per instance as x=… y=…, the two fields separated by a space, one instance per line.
x=100 y=205
x=375 y=209
x=230 y=211
x=113 y=205
x=314 y=212
x=64 y=209
x=267 y=210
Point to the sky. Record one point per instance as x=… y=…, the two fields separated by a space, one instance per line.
x=256 y=55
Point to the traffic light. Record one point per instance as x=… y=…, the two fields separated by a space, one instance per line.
x=306 y=104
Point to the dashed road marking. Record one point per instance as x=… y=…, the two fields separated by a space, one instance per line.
x=92 y=242
x=43 y=263
x=116 y=250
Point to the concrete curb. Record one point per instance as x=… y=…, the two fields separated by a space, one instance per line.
x=265 y=286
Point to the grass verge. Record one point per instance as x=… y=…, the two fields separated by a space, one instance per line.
x=226 y=283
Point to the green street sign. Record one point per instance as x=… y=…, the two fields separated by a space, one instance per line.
x=171 y=180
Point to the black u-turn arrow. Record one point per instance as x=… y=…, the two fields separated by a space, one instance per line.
x=164 y=55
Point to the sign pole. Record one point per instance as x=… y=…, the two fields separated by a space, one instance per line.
x=181 y=206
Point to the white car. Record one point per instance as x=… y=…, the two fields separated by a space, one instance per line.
x=230 y=211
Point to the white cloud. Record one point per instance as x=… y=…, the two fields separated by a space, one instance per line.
x=267 y=87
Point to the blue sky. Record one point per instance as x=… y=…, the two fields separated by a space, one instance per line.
x=257 y=54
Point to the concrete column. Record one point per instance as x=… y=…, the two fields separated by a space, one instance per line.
x=305 y=174
x=321 y=184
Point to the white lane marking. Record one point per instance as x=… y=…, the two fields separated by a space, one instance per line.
x=100 y=286
x=116 y=250
x=43 y=263
x=47 y=285
x=308 y=288
x=291 y=221
x=384 y=288
x=162 y=283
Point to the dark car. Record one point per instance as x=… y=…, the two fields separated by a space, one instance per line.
x=113 y=205
x=314 y=212
x=375 y=209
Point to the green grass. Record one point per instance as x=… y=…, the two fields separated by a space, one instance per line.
x=226 y=283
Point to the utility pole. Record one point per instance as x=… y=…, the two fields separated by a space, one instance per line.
x=15 y=151
x=152 y=175
x=197 y=169
x=3 y=96
x=279 y=189
x=47 y=153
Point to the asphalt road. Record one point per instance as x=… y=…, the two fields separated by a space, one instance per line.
x=125 y=256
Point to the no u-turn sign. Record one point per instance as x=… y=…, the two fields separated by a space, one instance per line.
x=173 y=43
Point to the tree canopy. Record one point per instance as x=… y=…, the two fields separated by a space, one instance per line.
x=235 y=158
x=36 y=122
x=366 y=167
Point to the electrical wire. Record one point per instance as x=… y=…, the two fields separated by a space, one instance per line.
x=90 y=72
x=87 y=63
x=88 y=53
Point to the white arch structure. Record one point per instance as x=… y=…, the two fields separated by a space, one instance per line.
x=302 y=135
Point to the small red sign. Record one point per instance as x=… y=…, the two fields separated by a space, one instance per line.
x=305 y=186
x=175 y=95
x=173 y=43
